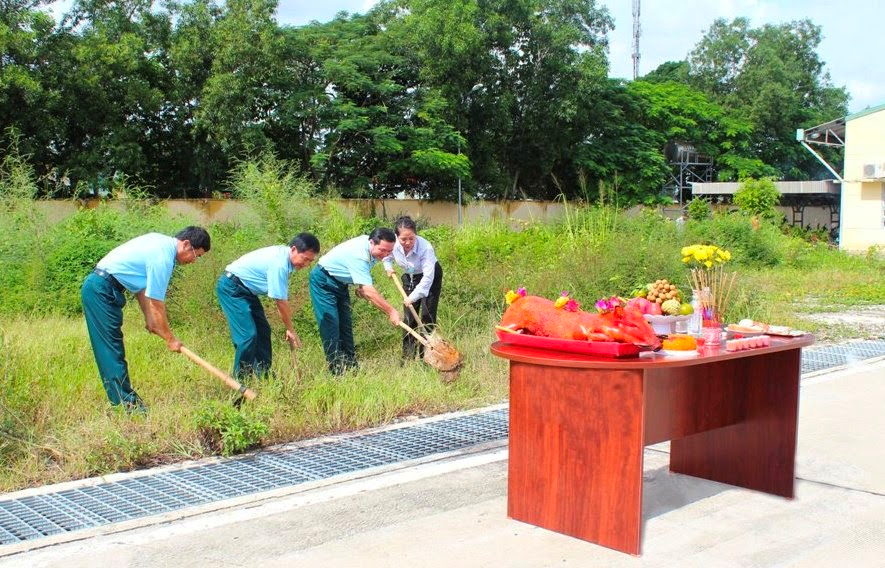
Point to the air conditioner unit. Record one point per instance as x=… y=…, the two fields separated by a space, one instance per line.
x=874 y=171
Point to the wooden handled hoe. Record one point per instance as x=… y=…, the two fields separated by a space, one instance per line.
x=224 y=377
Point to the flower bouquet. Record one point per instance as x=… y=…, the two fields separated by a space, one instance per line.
x=709 y=280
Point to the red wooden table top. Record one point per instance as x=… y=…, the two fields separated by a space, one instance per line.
x=645 y=360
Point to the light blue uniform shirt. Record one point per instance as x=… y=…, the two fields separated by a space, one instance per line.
x=143 y=263
x=350 y=261
x=265 y=271
x=420 y=260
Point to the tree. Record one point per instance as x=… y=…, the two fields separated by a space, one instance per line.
x=110 y=74
x=512 y=74
x=383 y=130
x=669 y=71
x=240 y=93
x=772 y=75
x=675 y=112
x=26 y=97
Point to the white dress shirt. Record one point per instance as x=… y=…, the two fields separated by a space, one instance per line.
x=420 y=260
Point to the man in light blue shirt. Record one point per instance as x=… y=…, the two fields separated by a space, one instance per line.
x=143 y=266
x=348 y=264
x=262 y=272
x=422 y=280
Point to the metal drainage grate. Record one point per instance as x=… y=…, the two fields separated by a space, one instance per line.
x=34 y=517
x=820 y=358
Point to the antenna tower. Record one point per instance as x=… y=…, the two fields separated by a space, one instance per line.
x=637 y=31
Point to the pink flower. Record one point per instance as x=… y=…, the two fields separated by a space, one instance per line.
x=572 y=306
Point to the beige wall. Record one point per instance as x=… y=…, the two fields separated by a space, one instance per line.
x=436 y=213
x=863 y=198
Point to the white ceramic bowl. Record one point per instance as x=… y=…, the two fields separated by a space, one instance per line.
x=664 y=325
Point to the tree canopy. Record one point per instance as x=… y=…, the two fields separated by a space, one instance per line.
x=511 y=97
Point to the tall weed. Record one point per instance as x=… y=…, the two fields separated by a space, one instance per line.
x=281 y=197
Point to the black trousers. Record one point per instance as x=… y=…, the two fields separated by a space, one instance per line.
x=426 y=308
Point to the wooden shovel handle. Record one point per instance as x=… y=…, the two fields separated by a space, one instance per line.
x=399 y=286
x=225 y=378
x=414 y=333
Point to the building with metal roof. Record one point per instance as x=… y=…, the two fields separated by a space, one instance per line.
x=854 y=199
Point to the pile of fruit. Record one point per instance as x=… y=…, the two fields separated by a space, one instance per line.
x=659 y=298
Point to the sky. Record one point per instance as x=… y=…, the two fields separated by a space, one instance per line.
x=853 y=34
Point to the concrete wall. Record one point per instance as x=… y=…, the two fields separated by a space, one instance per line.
x=863 y=195
x=206 y=211
x=517 y=213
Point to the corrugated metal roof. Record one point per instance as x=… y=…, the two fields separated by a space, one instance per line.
x=785 y=187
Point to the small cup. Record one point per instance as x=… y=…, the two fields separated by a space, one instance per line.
x=682 y=326
x=713 y=336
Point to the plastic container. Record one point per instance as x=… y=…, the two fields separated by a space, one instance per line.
x=694 y=323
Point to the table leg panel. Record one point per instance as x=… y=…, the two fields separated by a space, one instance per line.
x=576 y=443
x=758 y=452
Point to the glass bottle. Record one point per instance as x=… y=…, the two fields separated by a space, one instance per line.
x=694 y=323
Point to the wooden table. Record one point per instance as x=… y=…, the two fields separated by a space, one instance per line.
x=578 y=426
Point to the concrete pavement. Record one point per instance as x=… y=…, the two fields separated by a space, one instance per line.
x=453 y=511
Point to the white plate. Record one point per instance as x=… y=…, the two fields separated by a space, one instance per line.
x=790 y=333
x=680 y=354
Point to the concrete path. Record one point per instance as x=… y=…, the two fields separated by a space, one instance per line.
x=453 y=512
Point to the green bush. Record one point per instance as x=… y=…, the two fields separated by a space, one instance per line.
x=228 y=430
x=749 y=246
x=699 y=209
x=281 y=197
x=758 y=198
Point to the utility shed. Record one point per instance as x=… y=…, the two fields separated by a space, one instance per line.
x=863 y=186
x=810 y=204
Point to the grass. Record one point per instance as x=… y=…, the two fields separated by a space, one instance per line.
x=55 y=422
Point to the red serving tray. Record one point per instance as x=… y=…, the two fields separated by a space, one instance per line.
x=596 y=348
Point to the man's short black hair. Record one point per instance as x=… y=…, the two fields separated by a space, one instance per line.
x=197 y=236
x=382 y=234
x=304 y=242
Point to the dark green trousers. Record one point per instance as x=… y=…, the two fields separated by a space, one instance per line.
x=249 y=328
x=331 y=307
x=103 y=309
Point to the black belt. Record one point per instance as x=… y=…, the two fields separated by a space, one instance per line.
x=110 y=278
x=326 y=272
x=235 y=279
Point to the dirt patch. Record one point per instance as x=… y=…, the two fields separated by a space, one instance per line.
x=867 y=322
